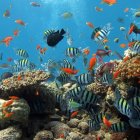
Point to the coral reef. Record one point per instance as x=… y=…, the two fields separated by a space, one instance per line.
x=18 y=110
x=11 y=133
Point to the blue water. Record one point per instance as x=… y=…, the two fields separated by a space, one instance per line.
x=48 y=16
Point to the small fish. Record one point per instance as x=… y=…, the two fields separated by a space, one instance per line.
x=63 y=78
x=74 y=114
x=116 y=40
x=137 y=14
x=13 y=97
x=38 y=47
x=93 y=125
x=9 y=59
x=69 y=71
x=98 y=9
x=19 y=78
x=135 y=46
x=100 y=34
x=21 y=52
x=16 y=32
x=8 y=115
x=122 y=45
x=106 y=122
x=109 y=2
x=7 y=40
x=116 y=74
x=7 y=103
x=73 y=53
x=126 y=10
x=102 y=53
x=131 y=29
x=119 y=127
x=122 y=105
x=85 y=78
x=90 y=24
x=122 y=28
x=106 y=47
x=86 y=51
x=34 y=4
x=69 y=39
x=107 y=78
x=6 y=13
x=67 y=15
x=92 y=63
x=52 y=38
x=20 y=22
x=23 y=63
x=73 y=105
x=4 y=66
x=61 y=136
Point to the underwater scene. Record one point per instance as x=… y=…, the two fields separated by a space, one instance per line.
x=70 y=70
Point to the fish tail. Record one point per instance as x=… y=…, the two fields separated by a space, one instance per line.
x=62 y=32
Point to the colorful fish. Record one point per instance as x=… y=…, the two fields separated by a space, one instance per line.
x=7 y=40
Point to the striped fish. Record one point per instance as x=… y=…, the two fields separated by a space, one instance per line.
x=74 y=93
x=22 y=53
x=63 y=78
x=136 y=47
x=67 y=64
x=100 y=34
x=93 y=126
x=16 y=68
x=133 y=91
x=23 y=63
x=135 y=112
x=135 y=101
x=87 y=98
x=122 y=105
x=119 y=127
x=85 y=78
x=107 y=79
x=99 y=117
x=72 y=53
x=48 y=32
x=32 y=66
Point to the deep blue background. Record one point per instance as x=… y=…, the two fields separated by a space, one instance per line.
x=48 y=16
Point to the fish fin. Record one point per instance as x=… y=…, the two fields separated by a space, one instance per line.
x=62 y=32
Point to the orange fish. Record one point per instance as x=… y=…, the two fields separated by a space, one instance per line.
x=14 y=97
x=86 y=51
x=19 y=77
x=7 y=40
x=19 y=21
x=92 y=63
x=109 y=2
x=7 y=103
x=98 y=9
x=126 y=10
x=131 y=29
x=8 y=115
x=69 y=71
x=74 y=114
x=90 y=24
x=106 y=122
x=130 y=44
x=122 y=45
x=38 y=47
x=62 y=136
x=116 y=74
x=16 y=32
